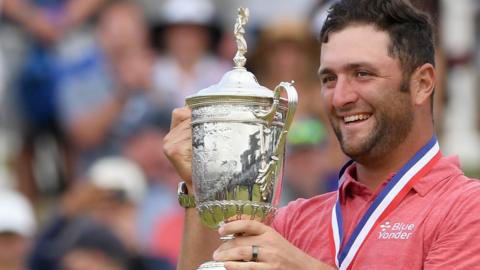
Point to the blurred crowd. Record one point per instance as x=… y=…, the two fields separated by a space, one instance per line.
x=86 y=90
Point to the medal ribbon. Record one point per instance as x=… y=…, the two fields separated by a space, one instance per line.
x=385 y=202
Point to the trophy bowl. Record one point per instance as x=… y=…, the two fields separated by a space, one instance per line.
x=237 y=154
x=239 y=131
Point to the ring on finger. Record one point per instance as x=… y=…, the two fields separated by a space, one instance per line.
x=254 y=253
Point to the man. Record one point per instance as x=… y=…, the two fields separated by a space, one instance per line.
x=400 y=204
x=106 y=89
x=186 y=63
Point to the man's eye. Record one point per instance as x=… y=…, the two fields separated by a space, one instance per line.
x=328 y=79
x=363 y=74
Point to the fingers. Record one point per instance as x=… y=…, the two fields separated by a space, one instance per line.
x=246 y=266
x=237 y=242
x=244 y=227
x=240 y=253
x=242 y=258
x=241 y=248
x=180 y=133
x=180 y=115
x=177 y=144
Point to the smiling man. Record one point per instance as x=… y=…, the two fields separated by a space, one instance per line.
x=400 y=204
x=374 y=102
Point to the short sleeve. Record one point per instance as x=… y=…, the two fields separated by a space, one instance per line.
x=457 y=243
x=282 y=221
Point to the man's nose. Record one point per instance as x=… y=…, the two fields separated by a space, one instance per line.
x=344 y=93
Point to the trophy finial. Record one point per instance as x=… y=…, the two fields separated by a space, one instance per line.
x=239 y=32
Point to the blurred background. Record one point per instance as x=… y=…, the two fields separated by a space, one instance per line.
x=86 y=93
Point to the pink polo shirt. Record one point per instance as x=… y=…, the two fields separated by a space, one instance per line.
x=436 y=226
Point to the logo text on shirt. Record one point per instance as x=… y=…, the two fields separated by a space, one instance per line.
x=396 y=230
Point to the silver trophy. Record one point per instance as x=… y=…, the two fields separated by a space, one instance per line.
x=239 y=129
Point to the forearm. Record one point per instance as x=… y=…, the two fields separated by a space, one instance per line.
x=92 y=128
x=198 y=242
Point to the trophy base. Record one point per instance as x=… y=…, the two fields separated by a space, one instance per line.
x=214 y=213
x=212 y=266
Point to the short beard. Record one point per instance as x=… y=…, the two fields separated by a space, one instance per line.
x=392 y=128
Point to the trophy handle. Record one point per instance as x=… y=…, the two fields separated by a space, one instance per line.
x=292 y=98
x=264 y=178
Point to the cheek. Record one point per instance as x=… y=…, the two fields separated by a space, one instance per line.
x=325 y=99
x=394 y=105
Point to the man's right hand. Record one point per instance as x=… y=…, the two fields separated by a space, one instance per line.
x=177 y=144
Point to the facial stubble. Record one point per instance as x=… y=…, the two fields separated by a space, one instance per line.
x=393 y=123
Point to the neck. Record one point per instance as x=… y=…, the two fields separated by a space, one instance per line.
x=373 y=173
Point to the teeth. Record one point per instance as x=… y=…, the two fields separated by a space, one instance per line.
x=356 y=117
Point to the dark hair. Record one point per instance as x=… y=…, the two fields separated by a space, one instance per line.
x=410 y=30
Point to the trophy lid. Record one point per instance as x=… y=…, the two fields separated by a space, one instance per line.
x=237 y=82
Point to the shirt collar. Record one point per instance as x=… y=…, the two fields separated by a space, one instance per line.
x=445 y=168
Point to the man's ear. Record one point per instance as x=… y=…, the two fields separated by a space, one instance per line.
x=422 y=84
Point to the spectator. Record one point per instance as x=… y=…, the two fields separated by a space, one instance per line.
x=286 y=51
x=98 y=216
x=42 y=27
x=106 y=89
x=186 y=65
x=94 y=247
x=144 y=147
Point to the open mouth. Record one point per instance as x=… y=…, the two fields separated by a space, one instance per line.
x=356 y=118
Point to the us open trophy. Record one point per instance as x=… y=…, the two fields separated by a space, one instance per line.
x=239 y=131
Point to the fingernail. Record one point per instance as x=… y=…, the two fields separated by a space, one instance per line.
x=215 y=255
x=220 y=230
